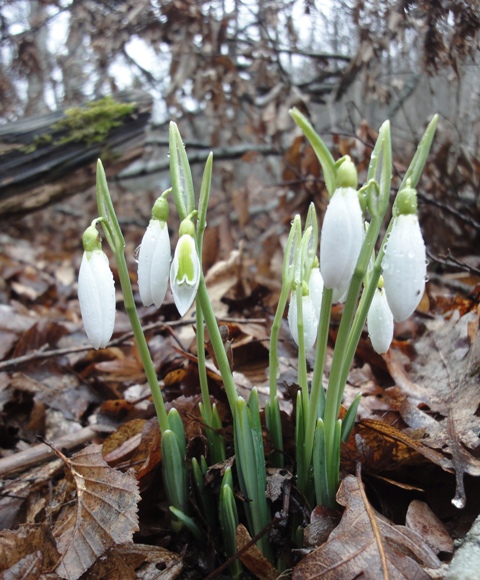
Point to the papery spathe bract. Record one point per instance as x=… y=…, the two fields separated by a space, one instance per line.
x=404 y=266
x=310 y=320
x=341 y=239
x=185 y=273
x=96 y=294
x=380 y=322
x=154 y=263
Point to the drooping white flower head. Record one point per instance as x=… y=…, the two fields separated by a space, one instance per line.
x=341 y=239
x=310 y=320
x=404 y=264
x=185 y=269
x=154 y=257
x=380 y=322
x=96 y=291
x=315 y=290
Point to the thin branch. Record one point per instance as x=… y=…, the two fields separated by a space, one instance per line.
x=45 y=352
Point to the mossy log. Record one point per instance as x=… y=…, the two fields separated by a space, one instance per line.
x=49 y=157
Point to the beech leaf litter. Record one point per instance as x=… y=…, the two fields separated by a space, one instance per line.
x=409 y=472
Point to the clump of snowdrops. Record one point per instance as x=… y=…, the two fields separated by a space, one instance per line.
x=378 y=280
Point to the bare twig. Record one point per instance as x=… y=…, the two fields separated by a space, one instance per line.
x=40 y=453
x=44 y=352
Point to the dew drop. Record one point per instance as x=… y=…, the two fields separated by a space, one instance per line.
x=427 y=278
x=385 y=248
x=427 y=261
x=136 y=253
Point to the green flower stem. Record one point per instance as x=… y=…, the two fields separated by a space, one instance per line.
x=250 y=460
x=201 y=224
x=180 y=173
x=202 y=369
x=417 y=164
x=340 y=360
x=302 y=359
x=321 y=150
x=272 y=409
x=274 y=334
x=117 y=243
x=217 y=344
x=317 y=396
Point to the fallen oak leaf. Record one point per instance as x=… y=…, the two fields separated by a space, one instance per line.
x=105 y=513
x=445 y=377
x=252 y=558
x=367 y=545
x=403 y=442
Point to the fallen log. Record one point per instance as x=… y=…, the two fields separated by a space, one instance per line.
x=49 y=157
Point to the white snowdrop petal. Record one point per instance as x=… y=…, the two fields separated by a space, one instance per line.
x=315 y=287
x=154 y=263
x=341 y=239
x=404 y=266
x=184 y=289
x=380 y=322
x=96 y=294
x=161 y=267
x=310 y=320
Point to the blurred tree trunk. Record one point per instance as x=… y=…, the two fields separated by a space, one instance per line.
x=36 y=60
x=73 y=63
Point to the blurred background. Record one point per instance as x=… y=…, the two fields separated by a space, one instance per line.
x=228 y=72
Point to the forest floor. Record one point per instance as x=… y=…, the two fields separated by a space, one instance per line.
x=409 y=471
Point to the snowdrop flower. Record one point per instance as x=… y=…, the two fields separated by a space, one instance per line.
x=342 y=232
x=380 y=321
x=404 y=264
x=310 y=320
x=96 y=291
x=154 y=257
x=315 y=290
x=341 y=239
x=185 y=269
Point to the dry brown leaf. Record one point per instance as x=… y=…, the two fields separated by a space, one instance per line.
x=252 y=558
x=367 y=545
x=422 y=520
x=105 y=513
x=137 y=562
x=445 y=377
x=27 y=552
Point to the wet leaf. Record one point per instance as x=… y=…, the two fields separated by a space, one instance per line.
x=422 y=520
x=367 y=545
x=445 y=378
x=252 y=558
x=105 y=513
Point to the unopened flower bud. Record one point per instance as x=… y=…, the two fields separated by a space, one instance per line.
x=96 y=291
x=341 y=239
x=315 y=288
x=154 y=257
x=404 y=266
x=380 y=322
x=310 y=320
